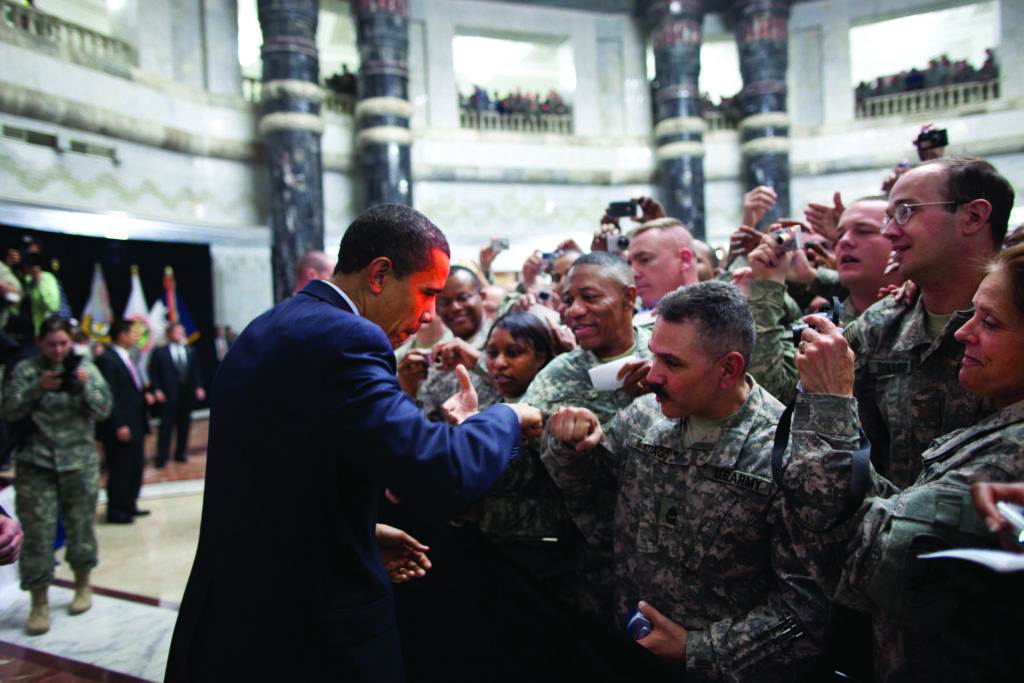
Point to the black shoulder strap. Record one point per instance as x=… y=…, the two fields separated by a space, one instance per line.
x=860 y=476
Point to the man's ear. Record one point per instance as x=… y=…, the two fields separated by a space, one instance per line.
x=976 y=214
x=629 y=294
x=379 y=270
x=733 y=369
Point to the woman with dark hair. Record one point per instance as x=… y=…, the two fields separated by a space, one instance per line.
x=56 y=397
x=933 y=619
x=518 y=346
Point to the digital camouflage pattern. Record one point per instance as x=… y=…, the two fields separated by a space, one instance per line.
x=906 y=385
x=58 y=467
x=65 y=422
x=697 y=534
x=41 y=492
x=933 y=620
x=440 y=385
x=565 y=382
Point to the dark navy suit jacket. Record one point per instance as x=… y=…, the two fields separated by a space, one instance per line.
x=307 y=423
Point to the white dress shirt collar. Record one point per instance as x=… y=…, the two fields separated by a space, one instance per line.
x=351 y=304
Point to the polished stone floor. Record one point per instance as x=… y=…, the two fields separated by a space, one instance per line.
x=138 y=584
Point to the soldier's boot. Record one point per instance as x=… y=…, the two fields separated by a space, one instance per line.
x=39 y=617
x=83 y=594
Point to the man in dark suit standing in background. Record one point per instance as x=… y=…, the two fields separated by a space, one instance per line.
x=176 y=383
x=306 y=426
x=124 y=432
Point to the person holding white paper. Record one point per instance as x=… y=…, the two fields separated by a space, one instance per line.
x=933 y=619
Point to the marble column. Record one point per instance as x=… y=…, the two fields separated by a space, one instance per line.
x=761 y=28
x=674 y=28
x=383 y=110
x=291 y=127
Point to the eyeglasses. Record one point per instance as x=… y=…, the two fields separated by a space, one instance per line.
x=903 y=212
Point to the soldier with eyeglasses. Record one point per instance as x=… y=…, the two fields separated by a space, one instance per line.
x=945 y=218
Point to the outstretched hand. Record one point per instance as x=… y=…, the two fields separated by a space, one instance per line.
x=11 y=537
x=463 y=404
x=824 y=220
x=576 y=427
x=403 y=557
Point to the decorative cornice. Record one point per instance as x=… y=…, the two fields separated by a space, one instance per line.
x=680 y=124
x=291 y=120
x=384 y=106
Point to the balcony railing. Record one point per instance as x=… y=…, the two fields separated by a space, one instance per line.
x=928 y=100
x=718 y=120
x=558 y=124
x=252 y=89
x=26 y=24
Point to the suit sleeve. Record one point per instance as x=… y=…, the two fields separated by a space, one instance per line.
x=422 y=461
x=117 y=418
x=155 y=374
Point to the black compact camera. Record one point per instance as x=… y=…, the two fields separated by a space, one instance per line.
x=68 y=379
x=833 y=312
x=623 y=209
x=931 y=139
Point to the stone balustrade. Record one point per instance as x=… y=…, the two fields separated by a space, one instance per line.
x=936 y=99
x=29 y=27
x=557 y=124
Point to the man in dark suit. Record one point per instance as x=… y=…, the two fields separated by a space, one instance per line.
x=124 y=432
x=307 y=424
x=174 y=378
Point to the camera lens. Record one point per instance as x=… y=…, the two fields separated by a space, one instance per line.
x=623 y=242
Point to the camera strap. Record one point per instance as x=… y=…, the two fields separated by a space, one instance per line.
x=860 y=467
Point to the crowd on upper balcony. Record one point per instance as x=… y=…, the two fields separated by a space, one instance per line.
x=940 y=71
x=518 y=102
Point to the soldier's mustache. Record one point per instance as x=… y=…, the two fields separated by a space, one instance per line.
x=659 y=391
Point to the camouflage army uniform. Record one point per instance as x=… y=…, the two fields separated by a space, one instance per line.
x=58 y=467
x=523 y=514
x=773 y=361
x=439 y=386
x=565 y=382
x=697 y=533
x=906 y=385
x=933 y=620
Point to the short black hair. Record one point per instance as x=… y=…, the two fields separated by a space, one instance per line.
x=119 y=327
x=397 y=232
x=720 y=312
x=528 y=328
x=606 y=261
x=468 y=271
x=54 y=323
x=970 y=178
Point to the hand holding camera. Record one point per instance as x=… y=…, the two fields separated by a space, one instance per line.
x=824 y=359
x=447 y=355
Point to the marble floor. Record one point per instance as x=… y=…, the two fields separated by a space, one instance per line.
x=137 y=587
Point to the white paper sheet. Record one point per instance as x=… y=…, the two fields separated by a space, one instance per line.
x=998 y=560
x=603 y=377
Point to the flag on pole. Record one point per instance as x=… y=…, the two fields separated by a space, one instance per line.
x=176 y=310
x=97 y=315
x=137 y=311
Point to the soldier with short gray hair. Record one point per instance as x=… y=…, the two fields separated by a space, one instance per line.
x=695 y=526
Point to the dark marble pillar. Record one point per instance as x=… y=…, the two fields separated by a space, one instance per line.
x=291 y=126
x=762 y=38
x=674 y=28
x=383 y=140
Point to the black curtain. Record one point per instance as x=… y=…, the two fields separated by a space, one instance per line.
x=78 y=254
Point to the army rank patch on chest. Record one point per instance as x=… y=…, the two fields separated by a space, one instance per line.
x=745 y=480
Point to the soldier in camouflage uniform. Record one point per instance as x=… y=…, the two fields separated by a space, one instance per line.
x=696 y=528
x=461 y=309
x=599 y=298
x=57 y=464
x=933 y=620
x=862 y=253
